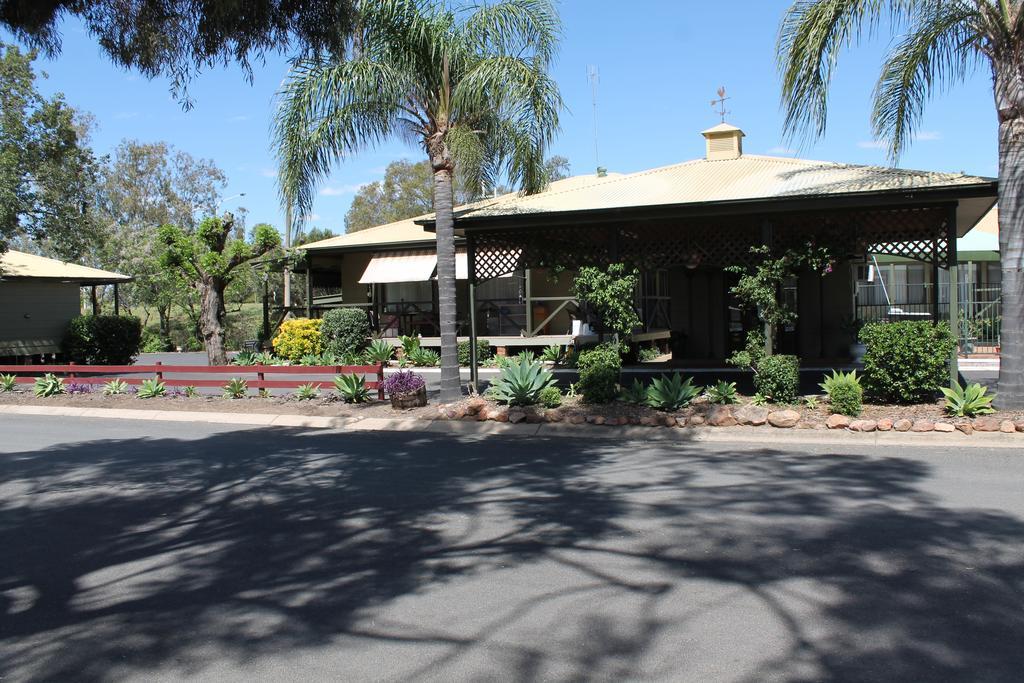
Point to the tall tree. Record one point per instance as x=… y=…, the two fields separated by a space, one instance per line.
x=207 y=259
x=407 y=190
x=178 y=38
x=47 y=171
x=144 y=186
x=470 y=86
x=942 y=42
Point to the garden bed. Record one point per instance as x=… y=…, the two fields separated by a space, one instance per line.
x=328 y=405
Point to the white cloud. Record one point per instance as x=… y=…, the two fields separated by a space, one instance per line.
x=313 y=217
x=928 y=135
x=871 y=144
x=268 y=172
x=923 y=136
x=240 y=117
x=782 y=150
x=338 y=190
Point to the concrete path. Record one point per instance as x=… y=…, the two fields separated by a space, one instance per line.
x=152 y=551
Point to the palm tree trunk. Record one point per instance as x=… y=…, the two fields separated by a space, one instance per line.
x=1010 y=107
x=451 y=389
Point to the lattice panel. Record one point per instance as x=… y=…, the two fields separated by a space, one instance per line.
x=915 y=233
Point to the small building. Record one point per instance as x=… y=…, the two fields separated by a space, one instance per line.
x=39 y=296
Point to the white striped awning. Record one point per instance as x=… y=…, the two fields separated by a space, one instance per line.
x=411 y=266
x=406 y=266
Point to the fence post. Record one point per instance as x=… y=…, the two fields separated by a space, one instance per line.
x=380 y=381
x=71 y=374
x=159 y=372
x=260 y=375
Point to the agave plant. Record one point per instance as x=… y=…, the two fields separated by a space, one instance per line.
x=425 y=358
x=968 y=401
x=236 y=388
x=409 y=344
x=307 y=392
x=837 y=378
x=151 y=388
x=527 y=355
x=189 y=391
x=8 y=383
x=379 y=351
x=636 y=393
x=264 y=358
x=521 y=382
x=115 y=387
x=49 y=385
x=722 y=392
x=244 y=358
x=551 y=353
x=672 y=393
x=352 y=388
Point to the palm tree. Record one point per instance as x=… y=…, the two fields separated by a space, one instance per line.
x=471 y=86
x=943 y=42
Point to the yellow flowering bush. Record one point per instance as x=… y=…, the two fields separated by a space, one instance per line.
x=297 y=338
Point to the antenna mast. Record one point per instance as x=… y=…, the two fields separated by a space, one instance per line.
x=594 y=77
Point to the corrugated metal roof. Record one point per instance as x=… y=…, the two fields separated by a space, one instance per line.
x=749 y=177
x=407 y=231
x=22 y=265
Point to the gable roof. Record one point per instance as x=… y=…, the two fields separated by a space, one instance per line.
x=19 y=264
x=409 y=232
x=701 y=181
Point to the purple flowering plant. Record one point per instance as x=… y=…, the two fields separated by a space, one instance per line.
x=403 y=382
x=76 y=388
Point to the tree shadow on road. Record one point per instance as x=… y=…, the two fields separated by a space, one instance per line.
x=125 y=556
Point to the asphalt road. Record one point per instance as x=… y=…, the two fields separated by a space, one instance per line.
x=163 y=551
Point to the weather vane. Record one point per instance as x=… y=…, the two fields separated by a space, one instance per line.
x=719 y=103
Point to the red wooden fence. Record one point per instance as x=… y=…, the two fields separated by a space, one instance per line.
x=101 y=374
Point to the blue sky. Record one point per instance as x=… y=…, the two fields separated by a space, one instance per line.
x=660 y=63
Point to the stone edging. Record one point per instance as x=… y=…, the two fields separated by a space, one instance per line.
x=723 y=416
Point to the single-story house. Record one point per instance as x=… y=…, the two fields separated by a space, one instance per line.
x=38 y=298
x=682 y=225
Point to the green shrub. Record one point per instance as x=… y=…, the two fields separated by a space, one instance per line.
x=236 y=388
x=49 y=385
x=550 y=397
x=599 y=373
x=778 y=378
x=722 y=392
x=521 y=382
x=906 y=362
x=102 y=339
x=151 y=388
x=154 y=342
x=672 y=392
x=845 y=394
x=968 y=401
x=8 y=383
x=352 y=388
x=635 y=393
x=190 y=391
x=483 y=351
x=648 y=354
x=345 y=330
x=297 y=338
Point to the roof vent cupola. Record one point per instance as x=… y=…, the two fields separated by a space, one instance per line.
x=723 y=141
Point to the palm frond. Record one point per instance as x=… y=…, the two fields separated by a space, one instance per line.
x=940 y=50
x=516 y=28
x=811 y=37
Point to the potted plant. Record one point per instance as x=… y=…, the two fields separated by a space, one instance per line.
x=406 y=389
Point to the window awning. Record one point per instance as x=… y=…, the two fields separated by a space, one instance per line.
x=409 y=266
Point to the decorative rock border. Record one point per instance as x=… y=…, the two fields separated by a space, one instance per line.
x=481 y=409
